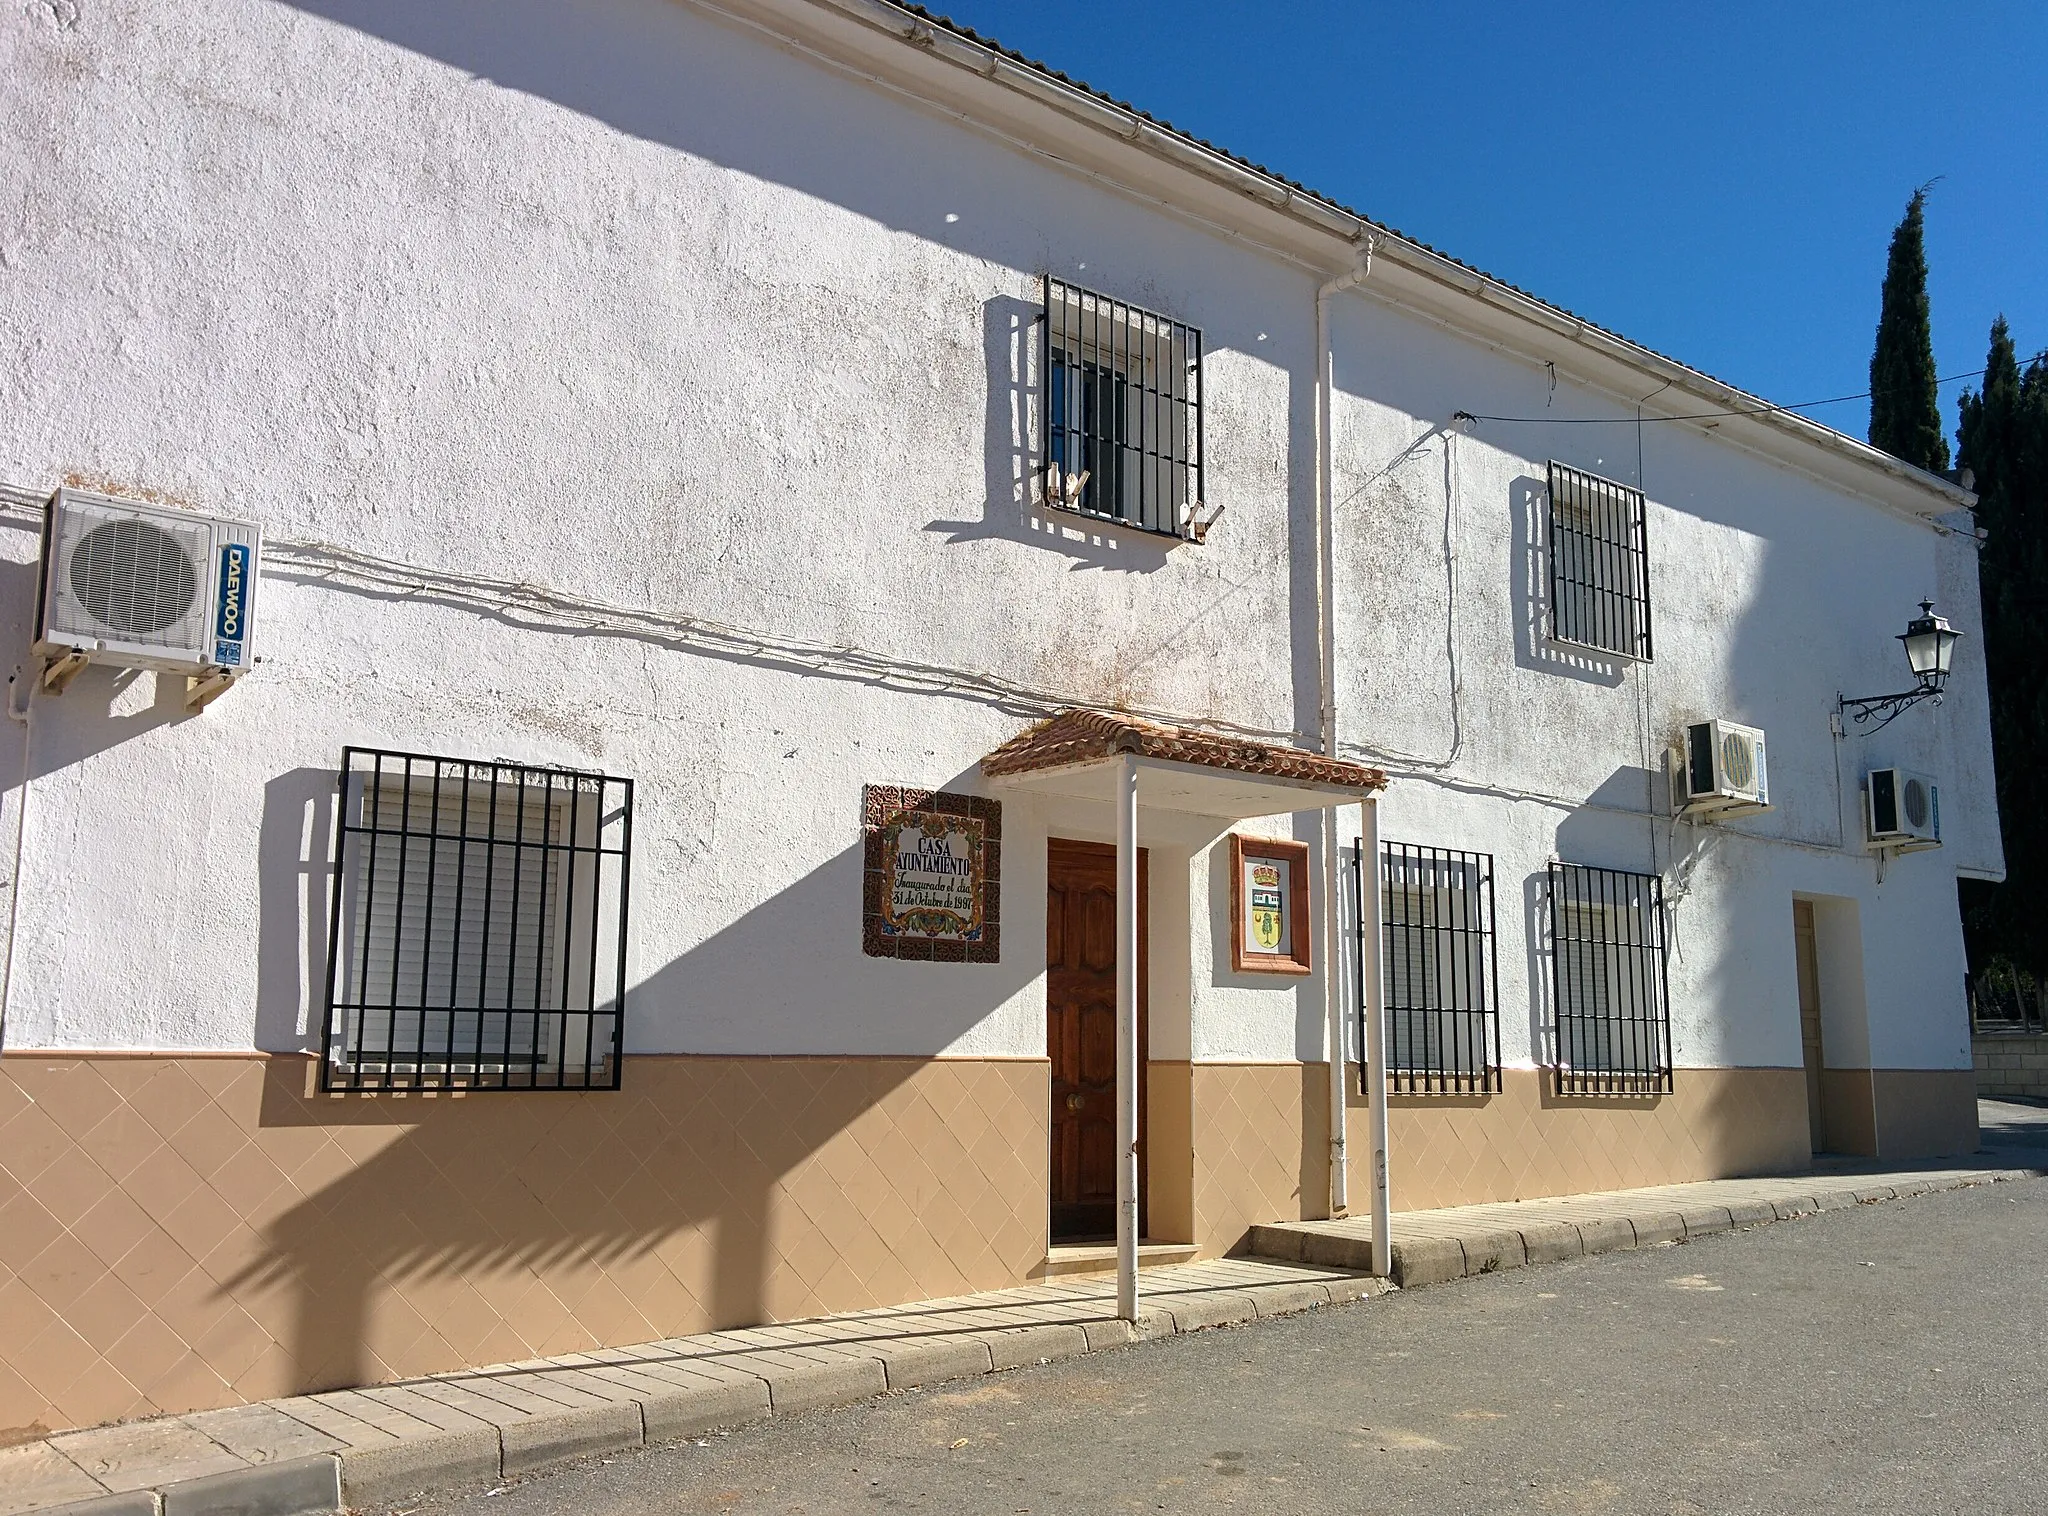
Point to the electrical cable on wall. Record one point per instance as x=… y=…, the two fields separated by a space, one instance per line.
x=1414 y=764
x=526 y=603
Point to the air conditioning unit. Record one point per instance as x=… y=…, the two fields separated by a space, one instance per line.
x=145 y=586
x=1903 y=809
x=1721 y=770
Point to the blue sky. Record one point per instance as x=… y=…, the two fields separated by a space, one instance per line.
x=1719 y=182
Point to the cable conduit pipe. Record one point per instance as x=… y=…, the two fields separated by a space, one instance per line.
x=1326 y=703
x=22 y=681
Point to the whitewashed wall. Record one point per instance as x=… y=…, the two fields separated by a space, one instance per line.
x=1772 y=592
x=618 y=300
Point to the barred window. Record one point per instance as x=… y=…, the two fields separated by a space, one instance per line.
x=1121 y=413
x=1609 y=982
x=1442 y=974
x=1599 y=563
x=478 y=929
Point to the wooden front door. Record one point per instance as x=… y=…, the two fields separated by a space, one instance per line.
x=1809 y=1019
x=1080 y=1036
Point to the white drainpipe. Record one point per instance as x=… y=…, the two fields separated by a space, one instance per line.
x=1369 y=974
x=1326 y=689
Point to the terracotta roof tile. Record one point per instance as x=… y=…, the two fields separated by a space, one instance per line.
x=1082 y=736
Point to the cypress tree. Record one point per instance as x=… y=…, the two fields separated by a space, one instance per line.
x=2003 y=439
x=1905 y=410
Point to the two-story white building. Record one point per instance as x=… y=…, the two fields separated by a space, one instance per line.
x=586 y=579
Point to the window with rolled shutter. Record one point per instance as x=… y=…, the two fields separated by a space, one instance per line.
x=1443 y=1020
x=1609 y=984
x=479 y=925
x=1599 y=563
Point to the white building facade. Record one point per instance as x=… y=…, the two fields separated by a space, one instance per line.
x=648 y=409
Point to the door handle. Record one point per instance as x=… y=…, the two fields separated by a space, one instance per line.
x=1076 y=1100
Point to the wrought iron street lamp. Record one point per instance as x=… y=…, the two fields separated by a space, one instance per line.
x=1930 y=648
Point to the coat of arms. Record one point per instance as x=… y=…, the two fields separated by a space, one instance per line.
x=1266 y=907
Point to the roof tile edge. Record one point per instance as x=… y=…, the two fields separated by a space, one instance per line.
x=981 y=55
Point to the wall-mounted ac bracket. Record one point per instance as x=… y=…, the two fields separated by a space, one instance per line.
x=201 y=690
x=1700 y=815
x=62 y=669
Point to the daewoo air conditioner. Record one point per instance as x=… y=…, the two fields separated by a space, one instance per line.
x=1903 y=809
x=1721 y=770
x=145 y=586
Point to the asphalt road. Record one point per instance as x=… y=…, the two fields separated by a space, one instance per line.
x=1888 y=1358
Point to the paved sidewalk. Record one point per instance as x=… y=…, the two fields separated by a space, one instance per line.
x=378 y=1446
x=1431 y=1247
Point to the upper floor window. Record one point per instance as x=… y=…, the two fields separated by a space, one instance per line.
x=1599 y=563
x=479 y=926
x=1609 y=981
x=1121 y=412
x=1443 y=1015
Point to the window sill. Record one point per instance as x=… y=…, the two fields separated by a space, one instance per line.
x=1595 y=650
x=1073 y=514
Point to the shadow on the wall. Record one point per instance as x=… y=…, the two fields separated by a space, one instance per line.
x=669 y=75
x=295 y=843
x=640 y=1213
x=1535 y=648
x=1537 y=946
x=1011 y=331
x=101 y=708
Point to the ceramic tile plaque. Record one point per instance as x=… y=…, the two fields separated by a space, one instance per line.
x=931 y=887
x=1268 y=906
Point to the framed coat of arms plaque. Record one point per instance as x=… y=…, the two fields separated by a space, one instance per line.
x=1269 y=906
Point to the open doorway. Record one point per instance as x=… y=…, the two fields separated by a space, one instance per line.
x=1080 y=1037
x=1810 y=1042
x=1834 y=1024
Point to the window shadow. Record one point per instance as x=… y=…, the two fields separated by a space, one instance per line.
x=712 y=1190
x=295 y=841
x=1535 y=648
x=1537 y=948
x=1014 y=509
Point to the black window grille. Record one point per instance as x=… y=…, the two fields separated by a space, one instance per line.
x=477 y=936
x=1599 y=563
x=1609 y=985
x=1121 y=414
x=1442 y=972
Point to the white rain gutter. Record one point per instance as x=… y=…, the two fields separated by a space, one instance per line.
x=1370 y=978
x=1326 y=693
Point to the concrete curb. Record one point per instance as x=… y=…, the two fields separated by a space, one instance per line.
x=297 y=1487
x=1439 y=1259
x=632 y=1398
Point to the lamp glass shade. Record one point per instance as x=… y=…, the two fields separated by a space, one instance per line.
x=1930 y=645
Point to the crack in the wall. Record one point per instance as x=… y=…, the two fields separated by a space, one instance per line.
x=64 y=13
